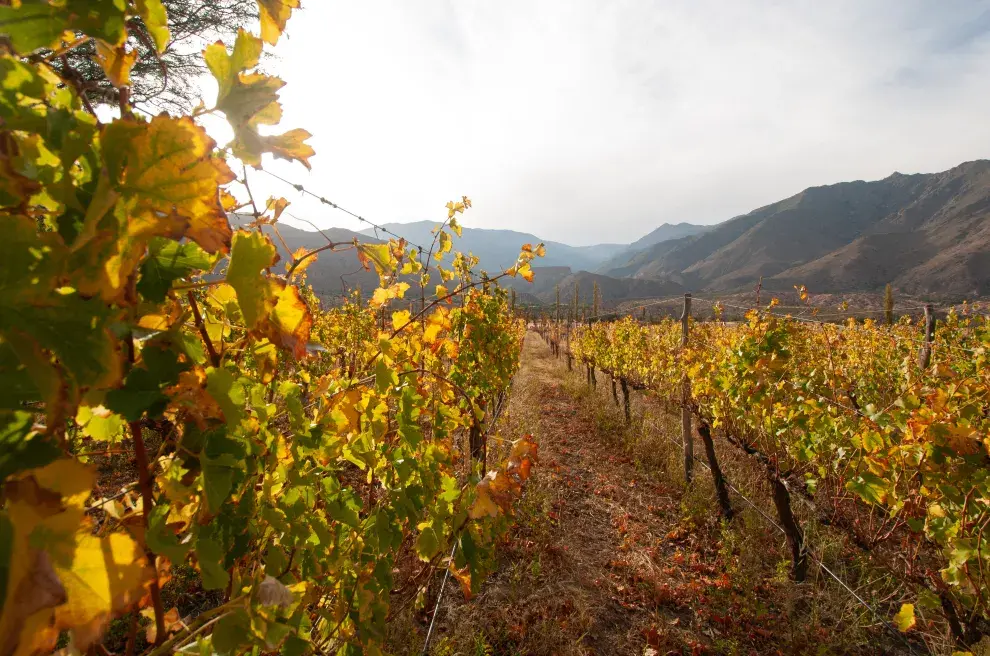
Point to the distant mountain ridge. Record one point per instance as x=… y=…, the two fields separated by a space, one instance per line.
x=498 y=249
x=923 y=233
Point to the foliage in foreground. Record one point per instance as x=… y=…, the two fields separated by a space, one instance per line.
x=134 y=320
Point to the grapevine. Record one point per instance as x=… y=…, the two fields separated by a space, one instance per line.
x=847 y=412
x=291 y=455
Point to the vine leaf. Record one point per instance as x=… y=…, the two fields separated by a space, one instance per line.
x=251 y=254
x=116 y=62
x=167 y=169
x=904 y=618
x=290 y=320
x=34 y=24
x=274 y=16
x=156 y=20
x=168 y=261
x=62 y=577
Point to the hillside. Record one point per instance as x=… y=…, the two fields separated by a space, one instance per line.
x=618 y=264
x=924 y=233
x=498 y=249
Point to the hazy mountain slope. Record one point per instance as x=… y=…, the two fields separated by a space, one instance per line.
x=666 y=232
x=921 y=232
x=621 y=262
x=498 y=249
x=613 y=290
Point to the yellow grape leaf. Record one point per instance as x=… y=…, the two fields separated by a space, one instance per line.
x=116 y=62
x=168 y=171
x=229 y=202
x=226 y=68
x=400 y=319
x=526 y=272
x=274 y=15
x=250 y=254
x=527 y=248
x=904 y=618
x=105 y=577
x=380 y=255
x=266 y=359
x=383 y=295
x=446 y=243
x=155 y=18
x=441 y=291
x=964 y=440
x=290 y=321
x=44 y=510
x=344 y=410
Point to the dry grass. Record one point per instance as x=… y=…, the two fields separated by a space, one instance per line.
x=612 y=553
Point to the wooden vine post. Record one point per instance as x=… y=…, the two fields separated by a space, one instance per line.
x=686 y=396
x=925 y=354
x=795 y=537
x=625 y=400
x=721 y=490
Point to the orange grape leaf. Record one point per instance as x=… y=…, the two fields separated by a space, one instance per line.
x=290 y=146
x=290 y=321
x=297 y=256
x=463 y=577
x=277 y=206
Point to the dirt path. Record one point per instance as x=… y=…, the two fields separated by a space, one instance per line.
x=607 y=560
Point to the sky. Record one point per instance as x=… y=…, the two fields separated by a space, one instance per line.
x=590 y=121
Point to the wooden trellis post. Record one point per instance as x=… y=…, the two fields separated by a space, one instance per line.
x=925 y=355
x=686 y=436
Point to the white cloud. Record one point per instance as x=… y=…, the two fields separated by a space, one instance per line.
x=587 y=121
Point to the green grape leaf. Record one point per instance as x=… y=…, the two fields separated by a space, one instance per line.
x=161 y=539
x=210 y=556
x=231 y=632
x=143 y=389
x=168 y=261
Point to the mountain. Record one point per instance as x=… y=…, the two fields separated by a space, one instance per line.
x=923 y=233
x=618 y=263
x=498 y=249
x=666 y=232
